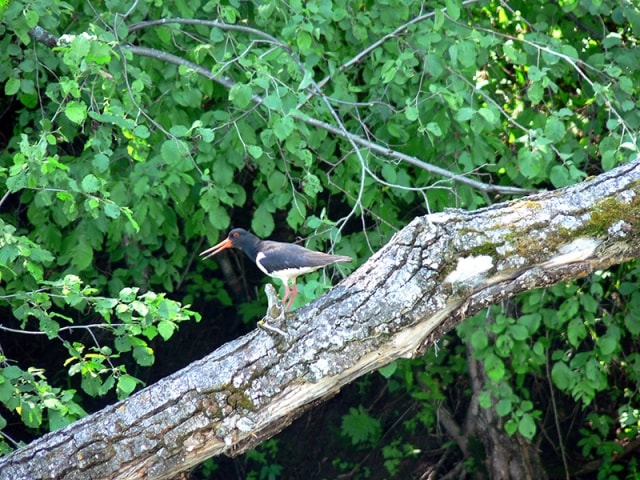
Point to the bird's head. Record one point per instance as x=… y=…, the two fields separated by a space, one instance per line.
x=238 y=238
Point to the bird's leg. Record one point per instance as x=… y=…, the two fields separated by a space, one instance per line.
x=292 y=295
x=287 y=292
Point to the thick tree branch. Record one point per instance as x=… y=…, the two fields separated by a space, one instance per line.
x=433 y=274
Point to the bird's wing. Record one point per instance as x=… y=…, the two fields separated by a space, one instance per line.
x=295 y=256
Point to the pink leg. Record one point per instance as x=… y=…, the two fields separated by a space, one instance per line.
x=287 y=292
x=292 y=295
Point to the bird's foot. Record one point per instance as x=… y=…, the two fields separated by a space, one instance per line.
x=275 y=313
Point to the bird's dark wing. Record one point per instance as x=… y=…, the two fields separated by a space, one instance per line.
x=282 y=256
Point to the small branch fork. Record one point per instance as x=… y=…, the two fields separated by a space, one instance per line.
x=275 y=312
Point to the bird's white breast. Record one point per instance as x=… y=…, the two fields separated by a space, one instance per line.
x=286 y=274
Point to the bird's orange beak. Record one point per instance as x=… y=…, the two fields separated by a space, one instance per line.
x=223 y=245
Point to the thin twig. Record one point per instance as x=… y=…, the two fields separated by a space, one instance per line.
x=4 y=198
x=364 y=53
x=383 y=150
x=104 y=326
x=563 y=454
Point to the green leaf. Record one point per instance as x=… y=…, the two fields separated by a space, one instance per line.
x=240 y=95
x=589 y=303
x=277 y=181
x=576 y=332
x=12 y=372
x=504 y=406
x=464 y=114
x=554 y=129
x=31 y=18
x=255 y=151
x=488 y=115
x=535 y=93
x=306 y=80
x=262 y=223
x=112 y=210
x=31 y=414
x=99 y=53
x=504 y=345
x=273 y=102
x=141 y=131
x=127 y=384
x=172 y=151
x=519 y=332
x=311 y=185
x=12 y=86
x=76 y=111
x=222 y=173
x=411 y=114
x=179 y=131
x=434 y=128
x=57 y=420
x=527 y=426
x=218 y=217
x=562 y=376
x=143 y=355
x=559 y=176
x=531 y=322
x=303 y=40
x=107 y=385
x=283 y=127
x=49 y=326
x=389 y=172
x=453 y=9
x=166 y=329
x=388 y=370
x=90 y=183
x=479 y=340
x=495 y=367
x=100 y=162
x=467 y=54
x=485 y=400
x=360 y=426
x=128 y=294
x=296 y=215
x=529 y=163
x=513 y=54
x=610 y=341
x=632 y=321
x=438 y=20
x=511 y=426
x=82 y=257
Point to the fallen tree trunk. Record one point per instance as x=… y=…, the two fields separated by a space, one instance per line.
x=433 y=274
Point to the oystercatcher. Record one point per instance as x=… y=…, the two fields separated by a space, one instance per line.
x=284 y=261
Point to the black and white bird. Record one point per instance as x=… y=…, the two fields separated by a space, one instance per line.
x=284 y=261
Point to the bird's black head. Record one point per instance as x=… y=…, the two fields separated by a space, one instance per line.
x=238 y=238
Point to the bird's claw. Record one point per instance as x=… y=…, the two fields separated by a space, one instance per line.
x=275 y=312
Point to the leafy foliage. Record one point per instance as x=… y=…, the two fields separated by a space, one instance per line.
x=147 y=127
x=360 y=427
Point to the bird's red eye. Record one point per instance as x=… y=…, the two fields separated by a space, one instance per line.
x=236 y=235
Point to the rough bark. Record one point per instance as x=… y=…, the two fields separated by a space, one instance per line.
x=434 y=273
